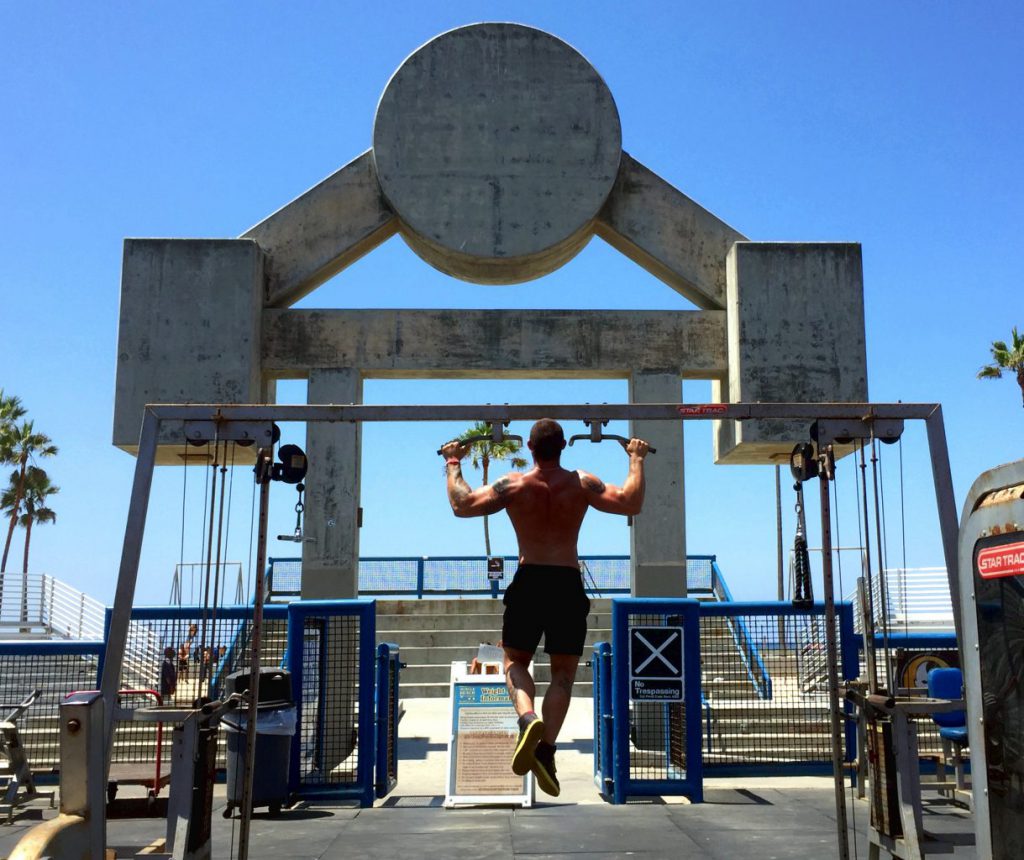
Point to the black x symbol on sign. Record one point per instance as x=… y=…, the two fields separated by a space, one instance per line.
x=656 y=652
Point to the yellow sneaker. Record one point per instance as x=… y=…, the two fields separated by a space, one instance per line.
x=544 y=769
x=531 y=730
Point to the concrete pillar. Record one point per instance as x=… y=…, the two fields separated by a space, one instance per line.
x=658 y=536
x=330 y=565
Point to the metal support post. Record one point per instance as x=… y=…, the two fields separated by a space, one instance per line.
x=124 y=596
x=825 y=475
x=83 y=778
x=949 y=522
x=263 y=463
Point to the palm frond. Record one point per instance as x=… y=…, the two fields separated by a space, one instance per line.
x=990 y=371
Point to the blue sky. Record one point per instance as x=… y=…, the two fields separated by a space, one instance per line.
x=897 y=126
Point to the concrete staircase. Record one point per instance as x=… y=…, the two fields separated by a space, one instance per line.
x=434 y=633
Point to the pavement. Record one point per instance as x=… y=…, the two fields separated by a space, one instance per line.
x=764 y=818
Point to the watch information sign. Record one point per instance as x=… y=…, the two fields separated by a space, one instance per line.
x=484 y=731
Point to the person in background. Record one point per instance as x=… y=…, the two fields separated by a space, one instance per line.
x=168 y=675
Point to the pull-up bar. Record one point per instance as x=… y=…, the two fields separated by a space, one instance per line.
x=491 y=413
x=253 y=424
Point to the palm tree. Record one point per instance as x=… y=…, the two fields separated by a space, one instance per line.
x=11 y=411
x=483 y=452
x=38 y=489
x=1006 y=358
x=25 y=446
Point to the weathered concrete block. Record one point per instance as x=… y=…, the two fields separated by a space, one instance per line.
x=189 y=330
x=796 y=334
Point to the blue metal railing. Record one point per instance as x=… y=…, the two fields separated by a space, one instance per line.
x=360 y=683
x=748 y=651
x=613 y=711
x=318 y=636
x=389 y=666
x=603 y=721
x=673 y=779
x=55 y=668
x=421 y=576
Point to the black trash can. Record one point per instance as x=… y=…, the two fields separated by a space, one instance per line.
x=275 y=727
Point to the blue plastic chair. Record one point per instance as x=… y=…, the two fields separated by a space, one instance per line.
x=948 y=684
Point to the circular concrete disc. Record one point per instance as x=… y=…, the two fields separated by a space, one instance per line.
x=496 y=145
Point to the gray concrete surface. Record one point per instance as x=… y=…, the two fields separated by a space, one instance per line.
x=189 y=330
x=488 y=344
x=662 y=230
x=657 y=540
x=749 y=819
x=323 y=230
x=796 y=334
x=330 y=563
x=496 y=145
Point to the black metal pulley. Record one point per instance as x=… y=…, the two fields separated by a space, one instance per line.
x=292 y=466
x=803 y=463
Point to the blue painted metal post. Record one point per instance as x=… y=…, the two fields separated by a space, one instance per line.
x=420 y=564
x=367 y=734
x=382 y=699
x=607 y=721
x=620 y=700
x=107 y=615
x=296 y=623
x=850 y=653
x=694 y=707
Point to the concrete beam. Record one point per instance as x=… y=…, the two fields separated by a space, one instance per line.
x=456 y=344
x=665 y=232
x=796 y=333
x=322 y=231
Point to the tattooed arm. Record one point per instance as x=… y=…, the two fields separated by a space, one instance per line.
x=467 y=502
x=627 y=499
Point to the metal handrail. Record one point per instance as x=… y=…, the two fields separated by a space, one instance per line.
x=37 y=600
x=416 y=570
x=915 y=598
x=747 y=648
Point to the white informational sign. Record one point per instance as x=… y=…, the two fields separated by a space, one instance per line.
x=484 y=731
x=656 y=664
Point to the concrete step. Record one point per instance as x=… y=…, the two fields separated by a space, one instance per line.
x=470 y=621
x=465 y=649
x=413 y=675
x=445 y=606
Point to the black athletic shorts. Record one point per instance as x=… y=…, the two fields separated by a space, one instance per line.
x=549 y=600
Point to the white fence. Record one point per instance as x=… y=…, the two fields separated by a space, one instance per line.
x=34 y=603
x=40 y=606
x=916 y=598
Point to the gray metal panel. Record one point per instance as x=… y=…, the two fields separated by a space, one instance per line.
x=974 y=522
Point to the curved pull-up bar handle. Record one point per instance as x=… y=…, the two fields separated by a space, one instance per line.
x=470 y=439
x=622 y=440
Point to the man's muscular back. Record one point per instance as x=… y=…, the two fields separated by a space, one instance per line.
x=546 y=507
x=548 y=503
